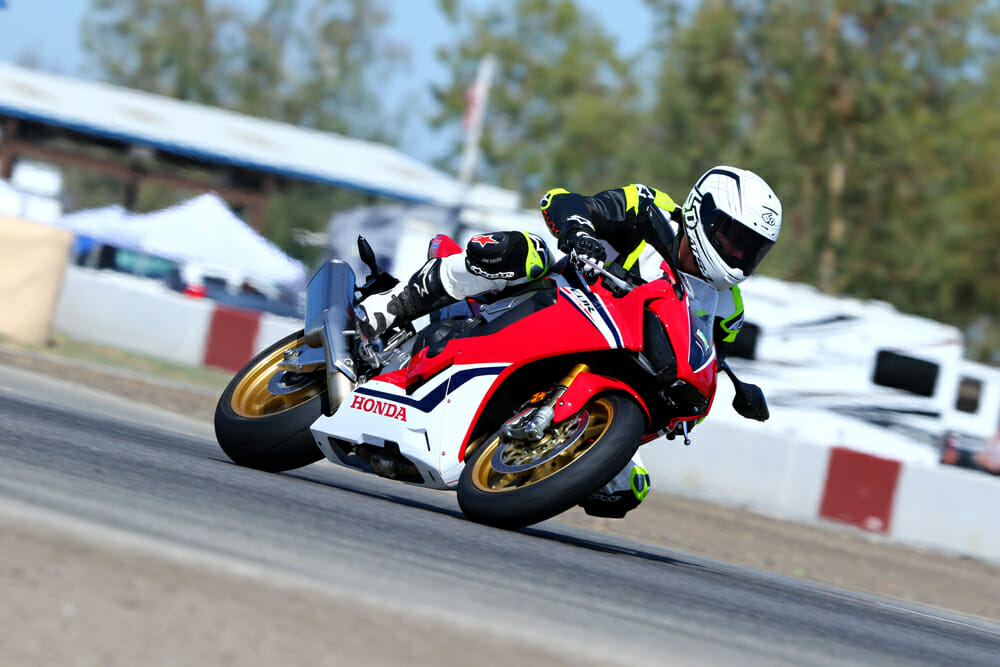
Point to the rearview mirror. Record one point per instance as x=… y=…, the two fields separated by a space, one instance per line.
x=367 y=255
x=378 y=280
x=749 y=402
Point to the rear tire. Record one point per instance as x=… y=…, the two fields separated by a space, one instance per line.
x=506 y=485
x=260 y=429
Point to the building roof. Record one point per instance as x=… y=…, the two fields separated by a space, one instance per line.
x=224 y=137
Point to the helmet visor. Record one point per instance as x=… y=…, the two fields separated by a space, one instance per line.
x=739 y=246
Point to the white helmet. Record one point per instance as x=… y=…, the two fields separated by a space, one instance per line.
x=731 y=219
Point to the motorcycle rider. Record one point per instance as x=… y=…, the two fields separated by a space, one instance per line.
x=728 y=223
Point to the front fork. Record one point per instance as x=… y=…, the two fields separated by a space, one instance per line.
x=530 y=424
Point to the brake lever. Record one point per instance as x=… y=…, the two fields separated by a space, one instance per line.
x=619 y=284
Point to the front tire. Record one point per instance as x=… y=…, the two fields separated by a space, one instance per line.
x=511 y=485
x=263 y=417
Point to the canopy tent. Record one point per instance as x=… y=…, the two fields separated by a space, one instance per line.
x=205 y=231
x=202 y=231
x=109 y=225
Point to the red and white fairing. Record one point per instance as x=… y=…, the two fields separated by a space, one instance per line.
x=429 y=408
x=428 y=425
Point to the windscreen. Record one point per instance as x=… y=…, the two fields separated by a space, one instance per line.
x=702 y=301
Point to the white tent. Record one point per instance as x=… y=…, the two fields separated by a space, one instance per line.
x=110 y=225
x=203 y=232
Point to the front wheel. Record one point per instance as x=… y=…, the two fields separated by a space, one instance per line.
x=511 y=484
x=263 y=417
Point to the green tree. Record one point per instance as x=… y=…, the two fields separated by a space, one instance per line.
x=306 y=62
x=872 y=122
x=171 y=48
x=870 y=97
x=696 y=119
x=563 y=101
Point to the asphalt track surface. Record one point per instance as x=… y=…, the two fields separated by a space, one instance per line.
x=132 y=468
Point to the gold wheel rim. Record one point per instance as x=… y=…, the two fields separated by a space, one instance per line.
x=563 y=439
x=253 y=397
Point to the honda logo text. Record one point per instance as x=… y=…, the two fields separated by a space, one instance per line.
x=384 y=408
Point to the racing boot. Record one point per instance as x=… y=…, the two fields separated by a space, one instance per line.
x=422 y=295
x=622 y=494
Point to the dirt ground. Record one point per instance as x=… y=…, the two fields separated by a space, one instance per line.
x=839 y=556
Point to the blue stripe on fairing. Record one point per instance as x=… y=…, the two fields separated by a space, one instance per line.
x=436 y=395
x=599 y=305
x=574 y=279
x=600 y=310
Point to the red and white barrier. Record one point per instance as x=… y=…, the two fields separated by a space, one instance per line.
x=144 y=316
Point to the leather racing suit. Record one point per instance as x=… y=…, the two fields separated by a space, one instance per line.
x=614 y=217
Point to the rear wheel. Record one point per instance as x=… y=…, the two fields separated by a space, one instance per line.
x=263 y=417
x=511 y=484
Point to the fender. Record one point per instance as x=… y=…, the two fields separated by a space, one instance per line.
x=584 y=387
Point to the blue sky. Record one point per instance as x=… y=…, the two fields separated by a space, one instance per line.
x=48 y=30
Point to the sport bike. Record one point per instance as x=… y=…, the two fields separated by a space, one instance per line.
x=526 y=405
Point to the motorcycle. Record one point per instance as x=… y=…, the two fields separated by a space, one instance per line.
x=525 y=408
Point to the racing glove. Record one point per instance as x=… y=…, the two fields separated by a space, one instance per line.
x=579 y=242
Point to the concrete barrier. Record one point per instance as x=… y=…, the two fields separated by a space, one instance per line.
x=742 y=465
x=948 y=508
x=134 y=314
x=272 y=328
x=144 y=316
x=757 y=467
